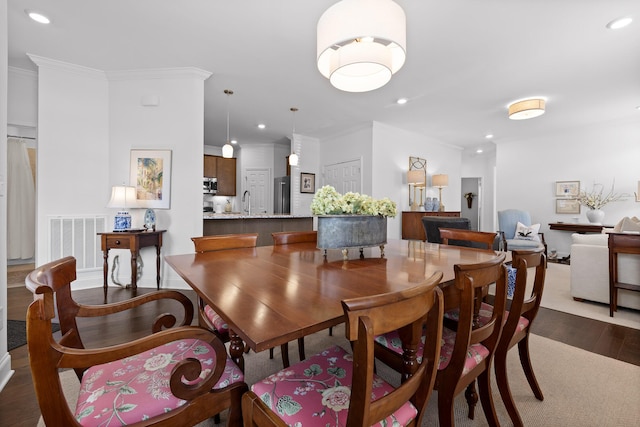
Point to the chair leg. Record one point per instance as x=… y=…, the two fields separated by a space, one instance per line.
x=284 y=349
x=271 y=353
x=525 y=361
x=331 y=331
x=301 y=349
x=445 y=407
x=472 y=399
x=500 y=367
x=486 y=399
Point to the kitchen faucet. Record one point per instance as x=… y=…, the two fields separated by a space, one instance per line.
x=247 y=196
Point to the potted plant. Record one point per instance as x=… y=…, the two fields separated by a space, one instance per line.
x=595 y=199
x=351 y=220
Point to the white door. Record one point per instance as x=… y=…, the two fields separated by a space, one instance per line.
x=258 y=182
x=345 y=176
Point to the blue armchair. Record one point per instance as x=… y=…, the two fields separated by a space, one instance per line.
x=507 y=223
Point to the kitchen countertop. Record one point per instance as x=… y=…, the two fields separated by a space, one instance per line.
x=238 y=215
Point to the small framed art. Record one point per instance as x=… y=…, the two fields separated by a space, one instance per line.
x=567 y=206
x=567 y=188
x=150 y=173
x=307 y=182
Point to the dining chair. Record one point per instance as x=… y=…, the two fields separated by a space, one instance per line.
x=177 y=376
x=468 y=238
x=336 y=388
x=467 y=352
x=207 y=316
x=291 y=237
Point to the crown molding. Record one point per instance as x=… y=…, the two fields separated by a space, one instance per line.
x=55 y=64
x=160 y=73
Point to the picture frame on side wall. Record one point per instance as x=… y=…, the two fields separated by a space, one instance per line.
x=150 y=173
x=307 y=182
x=567 y=206
x=567 y=188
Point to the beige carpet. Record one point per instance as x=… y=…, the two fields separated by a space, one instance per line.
x=557 y=296
x=580 y=388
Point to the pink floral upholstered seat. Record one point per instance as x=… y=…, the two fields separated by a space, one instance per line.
x=317 y=391
x=137 y=388
x=217 y=321
x=484 y=315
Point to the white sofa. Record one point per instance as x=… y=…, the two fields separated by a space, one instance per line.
x=590 y=271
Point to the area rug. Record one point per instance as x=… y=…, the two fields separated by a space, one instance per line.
x=17 y=333
x=580 y=388
x=557 y=296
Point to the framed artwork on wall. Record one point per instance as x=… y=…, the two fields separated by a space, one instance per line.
x=567 y=188
x=567 y=206
x=150 y=173
x=307 y=182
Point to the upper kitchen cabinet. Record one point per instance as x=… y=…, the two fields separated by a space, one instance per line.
x=224 y=170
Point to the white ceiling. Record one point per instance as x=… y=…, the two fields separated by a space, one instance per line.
x=466 y=60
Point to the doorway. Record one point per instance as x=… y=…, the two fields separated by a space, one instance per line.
x=344 y=176
x=472 y=209
x=258 y=183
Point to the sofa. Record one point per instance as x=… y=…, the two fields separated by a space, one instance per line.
x=590 y=271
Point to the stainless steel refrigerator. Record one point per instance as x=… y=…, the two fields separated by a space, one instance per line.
x=282 y=195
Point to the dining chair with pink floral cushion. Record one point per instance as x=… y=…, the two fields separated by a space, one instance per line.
x=339 y=388
x=467 y=352
x=176 y=376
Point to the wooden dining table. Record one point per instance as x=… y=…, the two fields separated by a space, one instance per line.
x=271 y=295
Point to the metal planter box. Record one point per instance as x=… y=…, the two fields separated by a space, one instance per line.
x=351 y=231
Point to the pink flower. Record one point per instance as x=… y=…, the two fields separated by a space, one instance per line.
x=336 y=398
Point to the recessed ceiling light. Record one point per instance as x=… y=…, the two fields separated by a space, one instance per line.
x=261 y=126
x=479 y=150
x=402 y=101
x=489 y=136
x=234 y=141
x=616 y=24
x=38 y=17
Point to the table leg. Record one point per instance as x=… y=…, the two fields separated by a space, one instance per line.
x=134 y=269
x=158 y=267
x=236 y=349
x=105 y=272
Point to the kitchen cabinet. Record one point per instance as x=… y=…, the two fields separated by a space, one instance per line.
x=412 y=228
x=224 y=170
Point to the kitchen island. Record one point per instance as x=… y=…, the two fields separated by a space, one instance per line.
x=215 y=224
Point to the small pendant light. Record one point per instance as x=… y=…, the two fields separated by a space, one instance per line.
x=293 y=157
x=227 y=149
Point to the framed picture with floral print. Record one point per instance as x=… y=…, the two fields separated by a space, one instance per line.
x=567 y=188
x=150 y=172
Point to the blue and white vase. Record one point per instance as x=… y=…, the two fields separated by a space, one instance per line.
x=428 y=204
x=436 y=205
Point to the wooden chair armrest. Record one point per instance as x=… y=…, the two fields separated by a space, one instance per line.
x=166 y=320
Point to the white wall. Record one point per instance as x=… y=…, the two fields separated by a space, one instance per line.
x=308 y=150
x=175 y=124
x=5 y=357
x=73 y=146
x=392 y=148
x=527 y=172
x=23 y=96
x=482 y=166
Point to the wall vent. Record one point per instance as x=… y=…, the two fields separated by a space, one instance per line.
x=77 y=236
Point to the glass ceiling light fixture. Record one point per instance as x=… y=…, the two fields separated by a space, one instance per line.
x=526 y=109
x=616 y=24
x=227 y=149
x=293 y=157
x=361 y=43
x=38 y=17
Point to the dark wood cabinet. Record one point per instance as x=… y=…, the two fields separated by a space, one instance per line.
x=224 y=170
x=412 y=228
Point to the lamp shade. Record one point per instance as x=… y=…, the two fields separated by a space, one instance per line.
x=361 y=43
x=123 y=197
x=440 y=180
x=526 y=109
x=415 y=177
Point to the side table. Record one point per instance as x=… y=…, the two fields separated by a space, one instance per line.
x=132 y=240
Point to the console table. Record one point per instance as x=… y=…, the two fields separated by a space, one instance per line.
x=578 y=228
x=132 y=240
x=412 y=228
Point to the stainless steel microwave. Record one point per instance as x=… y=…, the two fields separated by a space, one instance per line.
x=210 y=185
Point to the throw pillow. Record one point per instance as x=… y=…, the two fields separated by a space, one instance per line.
x=629 y=225
x=524 y=232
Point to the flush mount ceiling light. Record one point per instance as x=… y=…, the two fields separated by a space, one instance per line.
x=526 y=109
x=227 y=149
x=38 y=17
x=361 y=43
x=616 y=24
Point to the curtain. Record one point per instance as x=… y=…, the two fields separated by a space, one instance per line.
x=21 y=235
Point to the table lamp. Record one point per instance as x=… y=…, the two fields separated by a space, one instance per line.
x=122 y=197
x=440 y=181
x=415 y=178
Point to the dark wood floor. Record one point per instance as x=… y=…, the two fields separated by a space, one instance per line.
x=19 y=407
